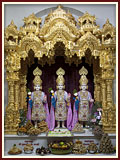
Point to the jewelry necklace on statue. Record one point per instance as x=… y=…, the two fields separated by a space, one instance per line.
x=38 y=93
x=83 y=94
x=60 y=95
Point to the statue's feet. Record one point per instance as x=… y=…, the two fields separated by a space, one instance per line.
x=87 y=126
x=35 y=125
x=58 y=126
x=63 y=126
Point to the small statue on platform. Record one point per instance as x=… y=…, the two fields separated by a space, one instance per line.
x=60 y=104
x=39 y=103
x=83 y=101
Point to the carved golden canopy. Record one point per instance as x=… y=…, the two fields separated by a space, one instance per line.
x=60 y=29
x=60 y=35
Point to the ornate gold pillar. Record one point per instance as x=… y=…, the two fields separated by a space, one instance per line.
x=11 y=94
x=95 y=88
x=23 y=92
x=110 y=107
x=109 y=90
x=16 y=107
x=104 y=105
x=97 y=91
x=12 y=119
x=21 y=97
x=17 y=88
x=9 y=119
x=107 y=63
x=23 y=81
x=97 y=80
x=109 y=111
x=103 y=85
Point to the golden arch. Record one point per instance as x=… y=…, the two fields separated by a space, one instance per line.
x=42 y=41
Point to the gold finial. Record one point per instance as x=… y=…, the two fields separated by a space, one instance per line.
x=60 y=80
x=37 y=73
x=60 y=6
x=12 y=25
x=83 y=72
x=60 y=71
x=107 y=21
x=12 y=22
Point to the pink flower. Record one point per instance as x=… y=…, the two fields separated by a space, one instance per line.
x=69 y=95
x=99 y=109
x=93 y=120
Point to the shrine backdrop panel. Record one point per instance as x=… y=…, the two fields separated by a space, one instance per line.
x=49 y=76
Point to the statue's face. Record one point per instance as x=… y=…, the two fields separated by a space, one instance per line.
x=37 y=87
x=60 y=87
x=83 y=87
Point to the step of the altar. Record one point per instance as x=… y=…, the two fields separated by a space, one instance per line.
x=33 y=155
x=43 y=140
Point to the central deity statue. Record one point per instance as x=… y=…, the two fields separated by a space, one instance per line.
x=83 y=101
x=39 y=106
x=61 y=111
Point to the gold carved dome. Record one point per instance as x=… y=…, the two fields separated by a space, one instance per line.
x=60 y=13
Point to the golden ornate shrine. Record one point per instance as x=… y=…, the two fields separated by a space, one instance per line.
x=78 y=39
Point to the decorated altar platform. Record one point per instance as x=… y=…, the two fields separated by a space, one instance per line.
x=43 y=140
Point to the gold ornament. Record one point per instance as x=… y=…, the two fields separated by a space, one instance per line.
x=83 y=72
x=37 y=73
x=60 y=80
x=97 y=45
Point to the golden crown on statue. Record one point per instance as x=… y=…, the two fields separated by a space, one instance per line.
x=60 y=79
x=37 y=73
x=83 y=72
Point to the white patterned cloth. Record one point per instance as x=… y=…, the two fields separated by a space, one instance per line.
x=83 y=111
x=38 y=110
x=61 y=108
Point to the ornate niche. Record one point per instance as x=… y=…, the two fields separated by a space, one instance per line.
x=60 y=28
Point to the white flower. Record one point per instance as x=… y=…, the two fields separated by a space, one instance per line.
x=93 y=120
x=99 y=109
x=92 y=100
x=52 y=91
x=29 y=93
x=76 y=94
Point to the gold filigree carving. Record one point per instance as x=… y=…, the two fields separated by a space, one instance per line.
x=60 y=28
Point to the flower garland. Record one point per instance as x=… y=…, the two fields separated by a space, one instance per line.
x=76 y=99
x=53 y=101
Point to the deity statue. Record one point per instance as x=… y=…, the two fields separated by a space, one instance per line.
x=39 y=105
x=60 y=104
x=83 y=101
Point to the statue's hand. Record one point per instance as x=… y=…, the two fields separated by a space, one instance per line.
x=92 y=100
x=69 y=95
x=45 y=99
